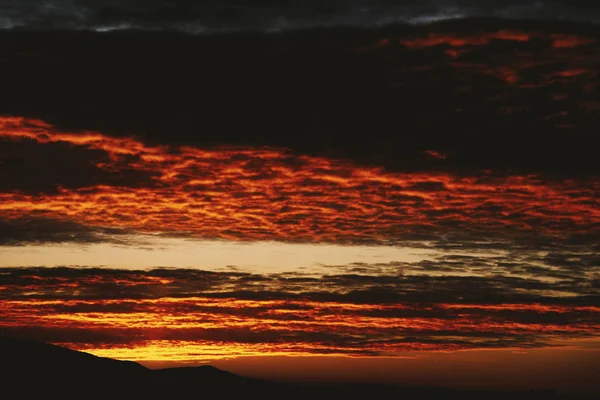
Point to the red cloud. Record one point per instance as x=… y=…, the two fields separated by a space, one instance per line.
x=262 y=193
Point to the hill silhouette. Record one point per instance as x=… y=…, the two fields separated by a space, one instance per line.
x=29 y=368
x=57 y=370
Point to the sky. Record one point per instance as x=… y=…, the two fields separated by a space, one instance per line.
x=414 y=203
x=209 y=16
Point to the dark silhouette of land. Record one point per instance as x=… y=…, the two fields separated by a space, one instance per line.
x=38 y=369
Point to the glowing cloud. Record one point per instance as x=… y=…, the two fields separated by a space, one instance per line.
x=261 y=193
x=186 y=315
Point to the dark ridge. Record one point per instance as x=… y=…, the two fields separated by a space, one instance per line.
x=52 y=364
x=32 y=356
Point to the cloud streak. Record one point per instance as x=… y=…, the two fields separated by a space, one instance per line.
x=227 y=314
x=232 y=15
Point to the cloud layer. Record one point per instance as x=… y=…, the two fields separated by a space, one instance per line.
x=512 y=97
x=475 y=141
x=171 y=314
x=270 y=194
x=236 y=15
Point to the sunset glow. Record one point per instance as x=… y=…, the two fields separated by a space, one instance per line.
x=389 y=202
x=273 y=194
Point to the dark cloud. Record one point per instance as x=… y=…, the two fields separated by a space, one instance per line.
x=234 y=15
x=326 y=92
x=40 y=230
x=32 y=168
x=477 y=281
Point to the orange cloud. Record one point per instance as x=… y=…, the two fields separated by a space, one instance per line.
x=164 y=314
x=570 y=41
x=512 y=68
x=263 y=193
x=485 y=38
x=167 y=328
x=457 y=40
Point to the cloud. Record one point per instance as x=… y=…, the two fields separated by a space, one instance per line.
x=370 y=96
x=484 y=280
x=473 y=140
x=33 y=230
x=28 y=167
x=236 y=15
x=275 y=194
x=359 y=315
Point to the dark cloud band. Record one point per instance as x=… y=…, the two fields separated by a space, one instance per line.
x=515 y=97
x=236 y=15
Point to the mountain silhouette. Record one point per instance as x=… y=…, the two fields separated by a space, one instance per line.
x=35 y=357
x=29 y=369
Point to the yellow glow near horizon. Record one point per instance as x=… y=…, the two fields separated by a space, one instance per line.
x=526 y=368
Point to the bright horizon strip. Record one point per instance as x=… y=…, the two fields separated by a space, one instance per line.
x=142 y=251
x=168 y=353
